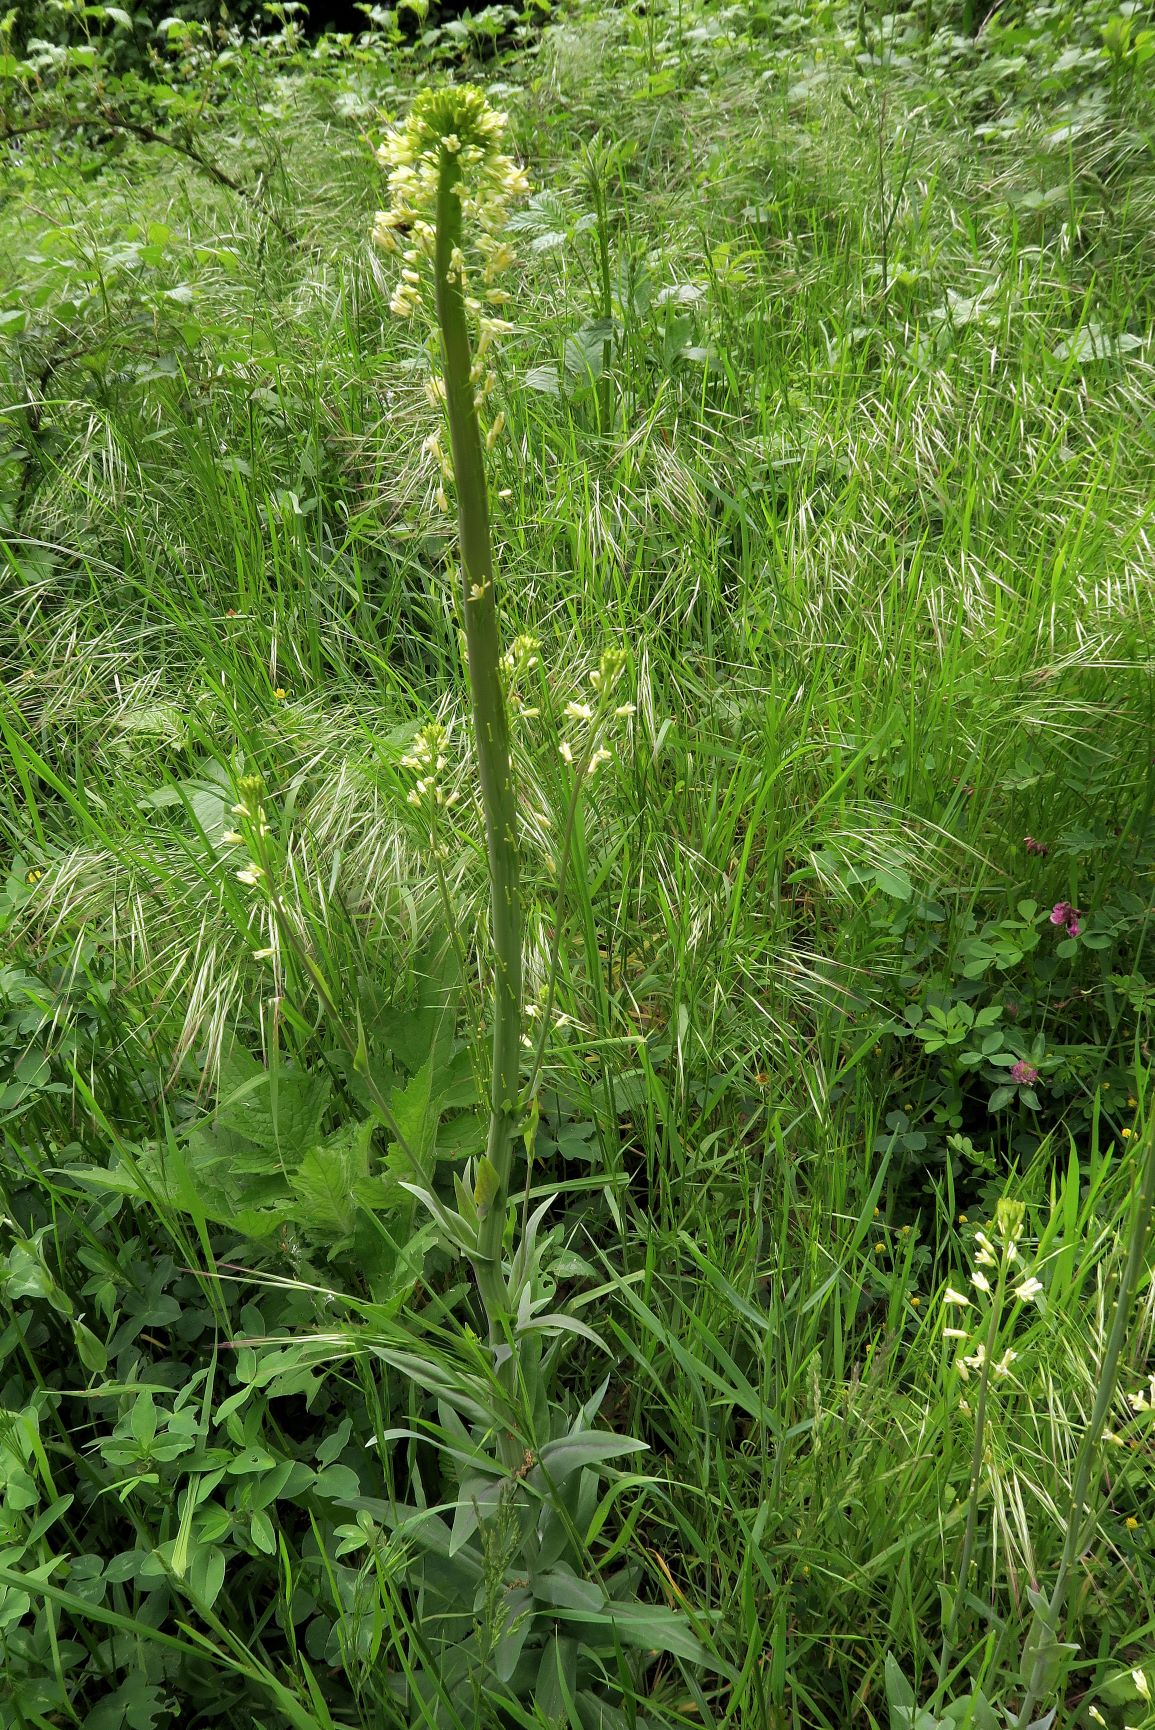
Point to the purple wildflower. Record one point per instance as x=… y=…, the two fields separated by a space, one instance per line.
x=1062 y=913
x=1039 y=848
x=1024 y=1074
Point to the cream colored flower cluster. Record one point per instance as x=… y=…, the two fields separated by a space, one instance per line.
x=1001 y=1255
x=254 y=832
x=592 y=719
x=428 y=758
x=453 y=136
x=518 y=662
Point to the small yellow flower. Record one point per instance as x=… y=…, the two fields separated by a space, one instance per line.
x=1132 y=1102
x=878 y=1248
x=1131 y=1523
x=876 y=1212
x=916 y=1300
x=1126 y=1133
x=33 y=876
x=280 y=693
x=962 y=1219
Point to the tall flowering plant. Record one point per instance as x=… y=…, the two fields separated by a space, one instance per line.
x=519 y=1514
x=509 y=1590
x=451 y=185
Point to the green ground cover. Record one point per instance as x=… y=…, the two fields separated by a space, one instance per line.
x=828 y=404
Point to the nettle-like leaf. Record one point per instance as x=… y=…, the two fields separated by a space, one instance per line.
x=546 y=222
x=416 y=1113
x=333 y=1182
x=278 y=1111
x=426 y=1031
x=585 y=353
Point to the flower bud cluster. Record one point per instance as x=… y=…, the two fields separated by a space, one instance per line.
x=428 y=757
x=429 y=794
x=592 y=719
x=453 y=131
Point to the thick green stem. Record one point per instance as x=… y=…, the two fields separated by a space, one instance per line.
x=491 y=734
x=1081 y=1517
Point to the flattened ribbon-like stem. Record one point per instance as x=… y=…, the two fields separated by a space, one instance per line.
x=490 y=725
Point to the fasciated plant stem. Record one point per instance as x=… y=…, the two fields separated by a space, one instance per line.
x=491 y=735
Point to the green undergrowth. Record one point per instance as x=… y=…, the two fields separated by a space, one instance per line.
x=829 y=401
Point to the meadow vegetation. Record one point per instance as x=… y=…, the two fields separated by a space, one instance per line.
x=783 y=1352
